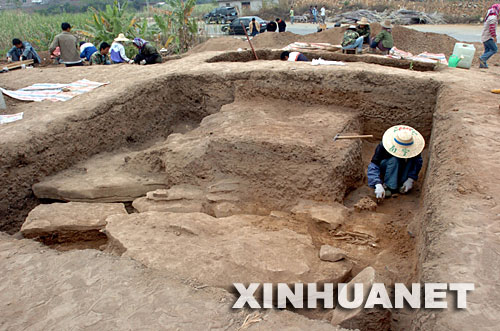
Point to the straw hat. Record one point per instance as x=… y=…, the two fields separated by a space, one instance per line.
x=121 y=37
x=387 y=24
x=363 y=21
x=403 y=141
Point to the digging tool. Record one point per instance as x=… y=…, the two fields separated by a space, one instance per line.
x=246 y=34
x=338 y=136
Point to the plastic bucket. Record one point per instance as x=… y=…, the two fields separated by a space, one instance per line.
x=453 y=61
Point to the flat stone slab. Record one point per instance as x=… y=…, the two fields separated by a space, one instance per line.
x=102 y=178
x=145 y=204
x=221 y=251
x=58 y=220
x=42 y=289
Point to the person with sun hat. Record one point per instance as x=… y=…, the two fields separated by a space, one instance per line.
x=397 y=161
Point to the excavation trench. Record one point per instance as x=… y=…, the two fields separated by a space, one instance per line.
x=268 y=54
x=258 y=144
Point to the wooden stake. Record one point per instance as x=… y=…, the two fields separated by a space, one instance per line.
x=246 y=34
x=18 y=64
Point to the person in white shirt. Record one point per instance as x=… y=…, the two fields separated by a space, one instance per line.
x=117 y=50
x=323 y=14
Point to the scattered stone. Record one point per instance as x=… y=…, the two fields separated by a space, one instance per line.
x=69 y=222
x=145 y=204
x=224 y=209
x=365 y=203
x=215 y=197
x=360 y=318
x=332 y=254
x=242 y=252
x=333 y=214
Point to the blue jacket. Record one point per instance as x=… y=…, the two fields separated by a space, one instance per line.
x=381 y=154
x=27 y=51
x=87 y=50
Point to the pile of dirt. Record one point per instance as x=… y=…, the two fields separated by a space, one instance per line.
x=275 y=40
x=219 y=44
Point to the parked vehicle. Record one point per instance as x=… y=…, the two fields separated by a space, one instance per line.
x=236 y=28
x=221 y=15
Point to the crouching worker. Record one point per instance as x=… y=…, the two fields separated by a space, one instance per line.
x=147 y=52
x=22 y=51
x=352 y=39
x=293 y=56
x=397 y=161
x=101 y=56
x=383 y=40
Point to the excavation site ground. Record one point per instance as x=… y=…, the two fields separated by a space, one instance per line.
x=139 y=204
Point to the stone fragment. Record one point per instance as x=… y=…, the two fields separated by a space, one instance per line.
x=60 y=222
x=333 y=214
x=221 y=251
x=332 y=254
x=361 y=318
x=365 y=204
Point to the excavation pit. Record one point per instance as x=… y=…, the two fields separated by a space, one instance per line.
x=259 y=143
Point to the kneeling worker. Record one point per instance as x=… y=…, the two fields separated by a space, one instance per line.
x=293 y=56
x=396 y=162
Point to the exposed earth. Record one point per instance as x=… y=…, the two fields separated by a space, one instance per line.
x=139 y=204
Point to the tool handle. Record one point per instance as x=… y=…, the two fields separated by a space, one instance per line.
x=353 y=137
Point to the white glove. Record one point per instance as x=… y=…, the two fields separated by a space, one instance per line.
x=9 y=59
x=131 y=62
x=407 y=185
x=143 y=62
x=379 y=191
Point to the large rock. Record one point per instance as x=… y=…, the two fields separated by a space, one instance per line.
x=278 y=152
x=61 y=222
x=220 y=251
x=102 y=178
x=333 y=215
x=364 y=319
x=332 y=254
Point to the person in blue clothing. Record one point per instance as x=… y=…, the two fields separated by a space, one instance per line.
x=397 y=161
x=22 y=51
x=86 y=50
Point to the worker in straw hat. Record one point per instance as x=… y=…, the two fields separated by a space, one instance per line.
x=117 y=51
x=364 y=30
x=383 y=40
x=352 y=40
x=397 y=161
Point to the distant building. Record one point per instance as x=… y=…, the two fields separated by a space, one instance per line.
x=244 y=6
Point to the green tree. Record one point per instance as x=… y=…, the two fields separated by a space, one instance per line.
x=178 y=30
x=106 y=25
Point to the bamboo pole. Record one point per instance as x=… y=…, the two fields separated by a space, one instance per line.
x=246 y=34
